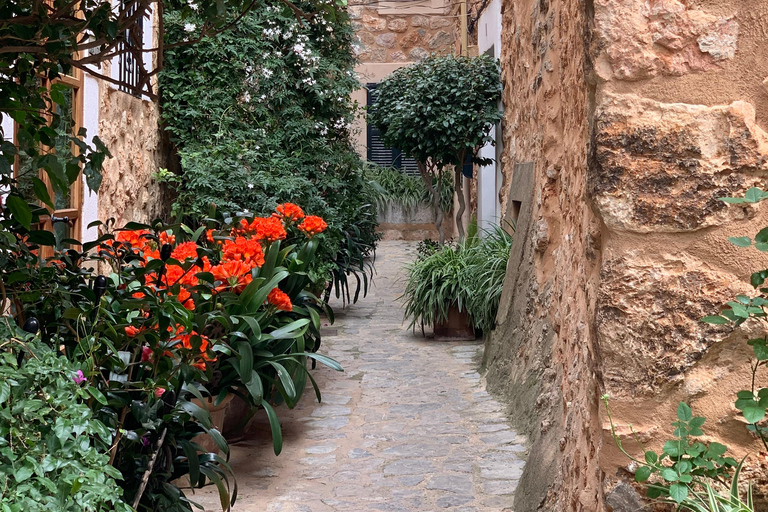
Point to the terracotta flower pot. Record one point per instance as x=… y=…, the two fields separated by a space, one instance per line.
x=456 y=328
x=236 y=418
x=218 y=413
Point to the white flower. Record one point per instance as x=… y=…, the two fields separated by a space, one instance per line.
x=250 y=185
x=189 y=27
x=267 y=73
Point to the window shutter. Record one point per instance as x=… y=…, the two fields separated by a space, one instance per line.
x=382 y=155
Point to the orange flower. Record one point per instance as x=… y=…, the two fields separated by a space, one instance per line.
x=232 y=274
x=248 y=251
x=185 y=251
x=186 y=299
x=290 y=212
x=280 y=300
x=313 y=225
x=131 y=331
x=267 y=229
x=165 y=238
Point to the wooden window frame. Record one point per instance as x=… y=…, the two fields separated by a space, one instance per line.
x=74 y=213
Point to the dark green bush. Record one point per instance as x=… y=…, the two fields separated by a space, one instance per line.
x=261 y=115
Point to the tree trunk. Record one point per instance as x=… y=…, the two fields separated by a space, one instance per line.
x=458 y=188
x=426 y=176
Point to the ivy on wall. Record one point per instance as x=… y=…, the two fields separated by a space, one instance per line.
x=261 y=115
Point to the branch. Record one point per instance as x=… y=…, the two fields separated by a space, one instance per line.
x=148 y=472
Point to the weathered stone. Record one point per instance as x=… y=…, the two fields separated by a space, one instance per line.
x=408 y=467
x=387 y=40
x=649 y=318
x=357 y=453
x=418 y=54
x=420 y=21
x=642 y=39
x=453 y=501
x=461 y=484
x=355 y=12
x=498 y=487
x=440 y=39
x=663 y=167
x=438 y=22
x=379 y=55
x=410 y=39
x=373 y=23
x=397 y=57
x=624 y=498
x=397 y=25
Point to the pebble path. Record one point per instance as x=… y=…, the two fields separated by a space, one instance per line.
x=407 y=427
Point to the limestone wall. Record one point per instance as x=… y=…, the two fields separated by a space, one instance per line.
x=130 y=128
x=680 y=117
x=543 y=355
x=636 y=117
x=401 y=32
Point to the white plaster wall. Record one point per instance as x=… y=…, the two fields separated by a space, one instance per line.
x=90 y=211
x=488 y=178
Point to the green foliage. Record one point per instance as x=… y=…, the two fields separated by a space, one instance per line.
x=686 y=467
x=440 y=111
x=469 y=274
x=440 y=107
x=392 y=186
x=261 y=115
x=53 y=451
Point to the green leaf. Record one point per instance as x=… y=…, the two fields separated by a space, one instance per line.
x=651 y=457
x=669 y=474
x=98 y=395
x=715 y=319
x=642 y=474
x=23 y=473
x=740 y=241
x=274 y=423
x=753 y=413
x=684 y=412
x=678 y=492
x=20 y=210
x=753 y=195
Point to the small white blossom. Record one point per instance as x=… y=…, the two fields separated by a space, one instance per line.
x=189 y=27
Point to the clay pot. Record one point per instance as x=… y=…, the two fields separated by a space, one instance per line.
x=236 y=418
x=457 y=328
x=218 y=413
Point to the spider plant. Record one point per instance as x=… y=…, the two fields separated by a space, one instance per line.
x=469 y=275
x=393 y=186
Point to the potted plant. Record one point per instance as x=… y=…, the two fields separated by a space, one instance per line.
x=456 y=287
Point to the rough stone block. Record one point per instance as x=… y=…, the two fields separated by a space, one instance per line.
x=440 y=39
x=418 y=54
x=373 y=23
x=397 y=25
x=420 y=21
x=387 y=40
x=663 y=167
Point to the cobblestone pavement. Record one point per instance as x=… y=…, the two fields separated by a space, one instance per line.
x=408 y=426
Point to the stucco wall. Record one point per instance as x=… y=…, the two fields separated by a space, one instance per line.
x=681 y=110
x=543 y=354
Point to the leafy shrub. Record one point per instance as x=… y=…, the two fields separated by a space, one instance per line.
x=468 y=274
x=392 y=186
x=439 y=112
x=53 y=451
x=261 y=115
x=182 y=314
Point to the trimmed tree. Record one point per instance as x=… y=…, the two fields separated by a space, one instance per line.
x=440 y=111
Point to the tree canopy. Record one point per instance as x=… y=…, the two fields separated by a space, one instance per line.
x=439 y=111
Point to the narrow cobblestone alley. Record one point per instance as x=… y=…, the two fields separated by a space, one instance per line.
x=408 y=426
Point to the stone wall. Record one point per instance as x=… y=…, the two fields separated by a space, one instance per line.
x=130 y=128
x=543 y=354
x=395 y=35
x=637 y=116
x=679 y=122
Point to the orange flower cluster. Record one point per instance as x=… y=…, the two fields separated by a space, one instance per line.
x=263 y=229
x=312 y=225
x=280 y=300
x=289 y=212
x=242 y=250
